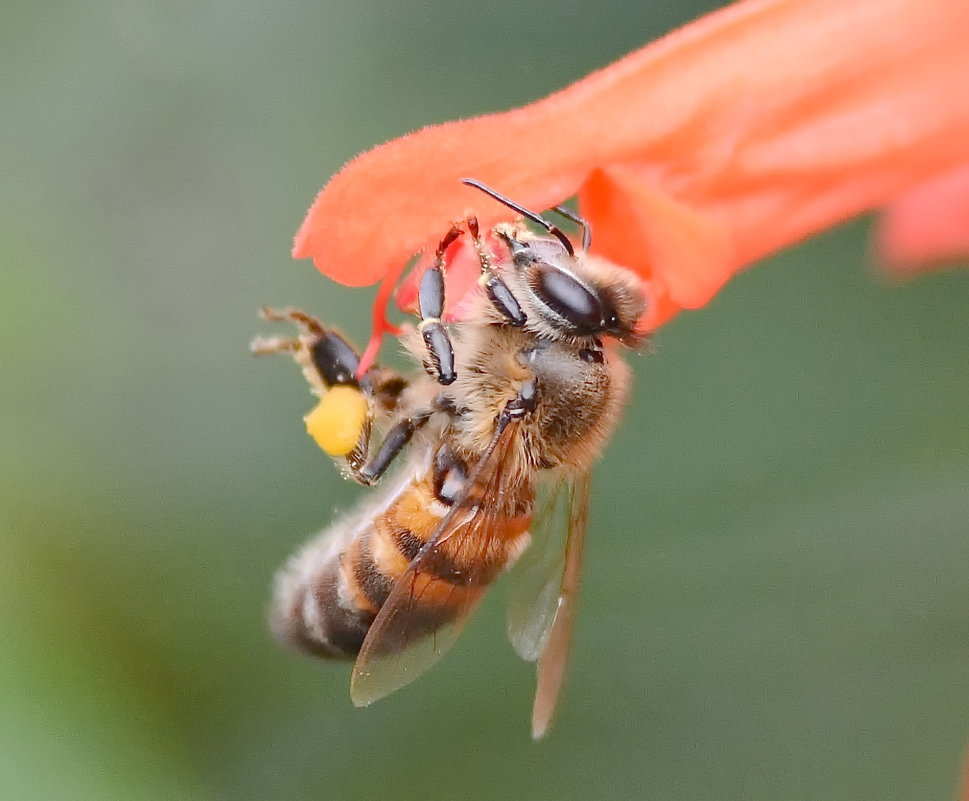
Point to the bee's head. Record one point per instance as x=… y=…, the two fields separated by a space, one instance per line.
x=570 y=295
x=574 y=294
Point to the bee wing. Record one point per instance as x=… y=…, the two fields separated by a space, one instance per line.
x=541 y=618
x=537 y=578
x=425 y=613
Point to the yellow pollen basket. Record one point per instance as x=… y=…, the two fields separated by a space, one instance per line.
x=338 y=420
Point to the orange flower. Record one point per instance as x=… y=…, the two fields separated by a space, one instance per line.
x=928 y=226
x=729 y=139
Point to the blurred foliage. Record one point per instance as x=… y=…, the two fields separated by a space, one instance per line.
x=775 y=599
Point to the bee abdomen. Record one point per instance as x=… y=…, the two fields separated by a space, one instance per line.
x=312 y=617
x=328 y=596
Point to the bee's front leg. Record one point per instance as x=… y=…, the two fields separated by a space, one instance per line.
x=497 y=291
x=430 y=304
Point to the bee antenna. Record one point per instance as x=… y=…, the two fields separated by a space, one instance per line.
x=554 y=230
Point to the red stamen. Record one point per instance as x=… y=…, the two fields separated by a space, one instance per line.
x=380 y=325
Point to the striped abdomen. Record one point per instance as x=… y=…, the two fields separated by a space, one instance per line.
x=329 y=594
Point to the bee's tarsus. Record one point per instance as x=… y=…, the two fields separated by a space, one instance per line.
x=305 y=321
x=497 y=291
x=265 y=346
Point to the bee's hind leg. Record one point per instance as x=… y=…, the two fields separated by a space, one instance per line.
x=328 y=358
x=329 y=361
x=266 y=346
x=290 y=315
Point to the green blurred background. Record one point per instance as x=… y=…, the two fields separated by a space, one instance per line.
x=777 y=588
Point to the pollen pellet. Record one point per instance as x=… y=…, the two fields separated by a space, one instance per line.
x=338 y=419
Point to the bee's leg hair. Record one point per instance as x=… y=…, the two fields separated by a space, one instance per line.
x=264 y=346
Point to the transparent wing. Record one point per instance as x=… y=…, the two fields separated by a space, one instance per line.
x=433 y=600
x=537 y=578
x=551 y=663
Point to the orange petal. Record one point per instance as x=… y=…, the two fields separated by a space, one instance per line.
x=928 y=226
x=768 y=120
x=463 y=270
x=657 y=236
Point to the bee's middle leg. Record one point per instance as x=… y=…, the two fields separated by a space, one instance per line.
x=398 y=437
x=393 y=443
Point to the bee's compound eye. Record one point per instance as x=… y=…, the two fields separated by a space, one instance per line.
x=568 y=298
x=338 y=420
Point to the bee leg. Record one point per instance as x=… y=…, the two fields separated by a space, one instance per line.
x=395 y=442
x=306 y=322
x=333 y=358
x=265 y=346
x=369 y=471
x=430 y=301
x=495 y=288
x=328 y=359
x=328 y=362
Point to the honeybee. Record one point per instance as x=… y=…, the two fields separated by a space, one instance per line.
x=501 y=426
